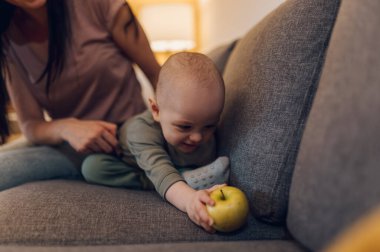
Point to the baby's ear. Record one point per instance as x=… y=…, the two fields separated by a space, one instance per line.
x=154 y=108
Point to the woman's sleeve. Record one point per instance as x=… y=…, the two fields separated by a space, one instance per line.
x=105 y=10
x=26 y=106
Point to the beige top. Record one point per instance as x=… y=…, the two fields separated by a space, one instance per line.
x=144 y=146
x=98 y=81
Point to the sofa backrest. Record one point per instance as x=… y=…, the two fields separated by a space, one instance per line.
x=271 y=77
x=336 y=179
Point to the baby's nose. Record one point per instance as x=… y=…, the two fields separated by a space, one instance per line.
x=196 y=137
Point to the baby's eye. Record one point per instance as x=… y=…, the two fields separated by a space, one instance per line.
x=210 y=127
x=183 y=127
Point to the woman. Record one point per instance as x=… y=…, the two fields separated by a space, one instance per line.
x=73 y=60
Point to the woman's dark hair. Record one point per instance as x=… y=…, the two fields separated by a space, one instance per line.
x=59 y=37
x=6 y=13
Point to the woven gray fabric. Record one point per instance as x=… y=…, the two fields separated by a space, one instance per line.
x=248 y=246
x=271 y=77
x=336 y=179
x=75 y=213
x=221 y=54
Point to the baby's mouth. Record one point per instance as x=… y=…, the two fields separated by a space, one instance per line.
x=190 y=146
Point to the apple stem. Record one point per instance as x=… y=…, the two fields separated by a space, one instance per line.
x=223 y=197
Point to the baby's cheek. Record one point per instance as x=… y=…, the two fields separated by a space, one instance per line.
x=208 y=136
x=173 y=139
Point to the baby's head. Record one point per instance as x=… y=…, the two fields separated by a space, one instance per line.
x=189 y=100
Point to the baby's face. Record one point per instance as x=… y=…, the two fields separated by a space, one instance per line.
x=190 y=119
x=187 y=133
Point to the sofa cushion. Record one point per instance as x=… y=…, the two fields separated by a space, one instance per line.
x=247 y=246
x=60 y=212
x=221 y=54
x=336 y=178
x=271 y=77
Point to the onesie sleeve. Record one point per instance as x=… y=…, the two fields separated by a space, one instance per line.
x=146 y=143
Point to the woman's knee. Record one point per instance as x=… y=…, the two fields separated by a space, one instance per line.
x=29 y=164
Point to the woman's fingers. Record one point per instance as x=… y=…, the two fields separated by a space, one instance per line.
x=104 y=145
x=111 y=127
x=110 y=139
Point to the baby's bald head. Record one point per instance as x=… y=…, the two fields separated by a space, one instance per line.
x=184 y=72
x=189 y=100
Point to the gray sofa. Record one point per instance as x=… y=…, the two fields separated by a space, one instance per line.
x=300 y=128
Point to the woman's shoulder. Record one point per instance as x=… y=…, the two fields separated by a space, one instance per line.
x=98 y=11
x=95 y=5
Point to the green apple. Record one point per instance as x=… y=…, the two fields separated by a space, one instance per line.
x=231 y=209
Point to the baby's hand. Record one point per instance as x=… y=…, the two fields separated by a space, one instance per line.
x=197 y=212
x=196 y=208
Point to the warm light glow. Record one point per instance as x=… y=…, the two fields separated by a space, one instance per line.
x=169 y=26
x=172 y=45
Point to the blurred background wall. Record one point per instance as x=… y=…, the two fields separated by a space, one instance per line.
x=222 y=21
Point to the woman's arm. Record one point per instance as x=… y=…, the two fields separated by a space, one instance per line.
x=83 y=136
x=137 y=48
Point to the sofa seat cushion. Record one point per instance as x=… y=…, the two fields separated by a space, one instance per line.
x=60 y=212
x=241 y=246
x=271 y=77
x=336 y=179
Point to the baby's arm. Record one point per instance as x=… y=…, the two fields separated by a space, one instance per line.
x=145 y=142
x=192 y=202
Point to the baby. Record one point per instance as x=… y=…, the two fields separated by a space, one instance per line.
x=171 y=147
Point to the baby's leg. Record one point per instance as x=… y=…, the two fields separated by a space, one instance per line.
x=205 y=177
x=111 y=171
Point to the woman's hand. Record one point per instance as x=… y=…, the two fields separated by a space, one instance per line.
x=89 y=136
